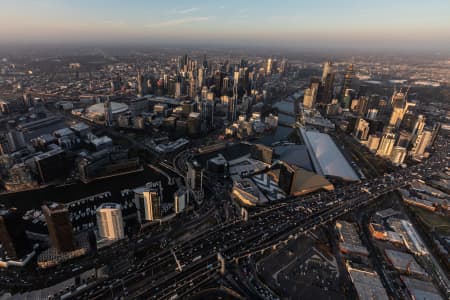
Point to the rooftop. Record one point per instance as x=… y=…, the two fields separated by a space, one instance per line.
x=421 y=289
x=326 y=157
x=99 y=108
x=368 y=284
x=295 y=155
x=404 y=262
x=109 y=205
x=79 y=127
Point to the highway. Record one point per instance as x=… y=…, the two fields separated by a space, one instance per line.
x=158 y=276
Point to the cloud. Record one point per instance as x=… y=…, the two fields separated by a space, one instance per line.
x=186 y=10
x=175 y=22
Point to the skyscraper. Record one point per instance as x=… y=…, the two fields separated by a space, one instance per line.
x=310 y=96
x=269 y=66
x=374 y=142
x=399 y=106
x=286 y=177
x=413 y=124
x=180 y=200
x=422 y=142
x=363 y=105
x=59 y=227
x=327 y=84
x=398 y=155
x=109 y=221
x=435 y=132
x=194 y=176
x=348 y=97
x=386 y=144
x=404 y=139
x=108 y=112
x=348 y=78
x=232 y=104
x=148 y=202
x=12 y=234
x=141 y=84
x=361 y=129
x=327 y=69
x=207 y=113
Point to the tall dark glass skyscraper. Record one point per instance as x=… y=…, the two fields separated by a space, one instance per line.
x=348 y=78
x=59 y=227
x=12 y=234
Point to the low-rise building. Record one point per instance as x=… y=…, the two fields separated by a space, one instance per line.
x=349 y=241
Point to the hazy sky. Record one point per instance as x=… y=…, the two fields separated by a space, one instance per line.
x=313 y=23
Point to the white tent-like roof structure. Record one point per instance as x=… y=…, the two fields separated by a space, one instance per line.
x=326 y=157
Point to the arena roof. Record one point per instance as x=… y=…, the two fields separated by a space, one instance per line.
x=99 y=108
x=326 y=157
x=294 y=155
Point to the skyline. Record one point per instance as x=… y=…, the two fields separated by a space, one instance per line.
x=225 y=150
x=347 y=24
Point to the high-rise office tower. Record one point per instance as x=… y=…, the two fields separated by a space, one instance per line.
x=310 y=96
x=177 y=90
x=327 y=69
x=194 y=124
x=269 y=66
x=372 y=113
x=361 y=129
x=435 y=132
x=404 y=139
x=204 y=92
x=200 y=77
x=327 y=84
x=348 y=78
x=236 y=77
x=192 y=88
x=166 y=81
x=382 y=107
x=141 y=84
x=180 y=200
x=387 y=143
x=422 y=142
x=232 y=104
x=284 y=66
x=308 y=101
x=110 y=221
x=226 y=85
x=412 y=123
x=194 y=175
x=207 y=113
x=108 y=112
x=420 y=125
x=148 y=202
x=59 y=227
x=348 y=97
x=285 y=180
x=398 y=155
x=232 y=109
x=374 y=142
x=399 y=107
x=12 y=234
x=363 y=105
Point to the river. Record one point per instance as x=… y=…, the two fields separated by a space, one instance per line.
x=32 y=199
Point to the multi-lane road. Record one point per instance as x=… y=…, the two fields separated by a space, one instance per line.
x=180 y=270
